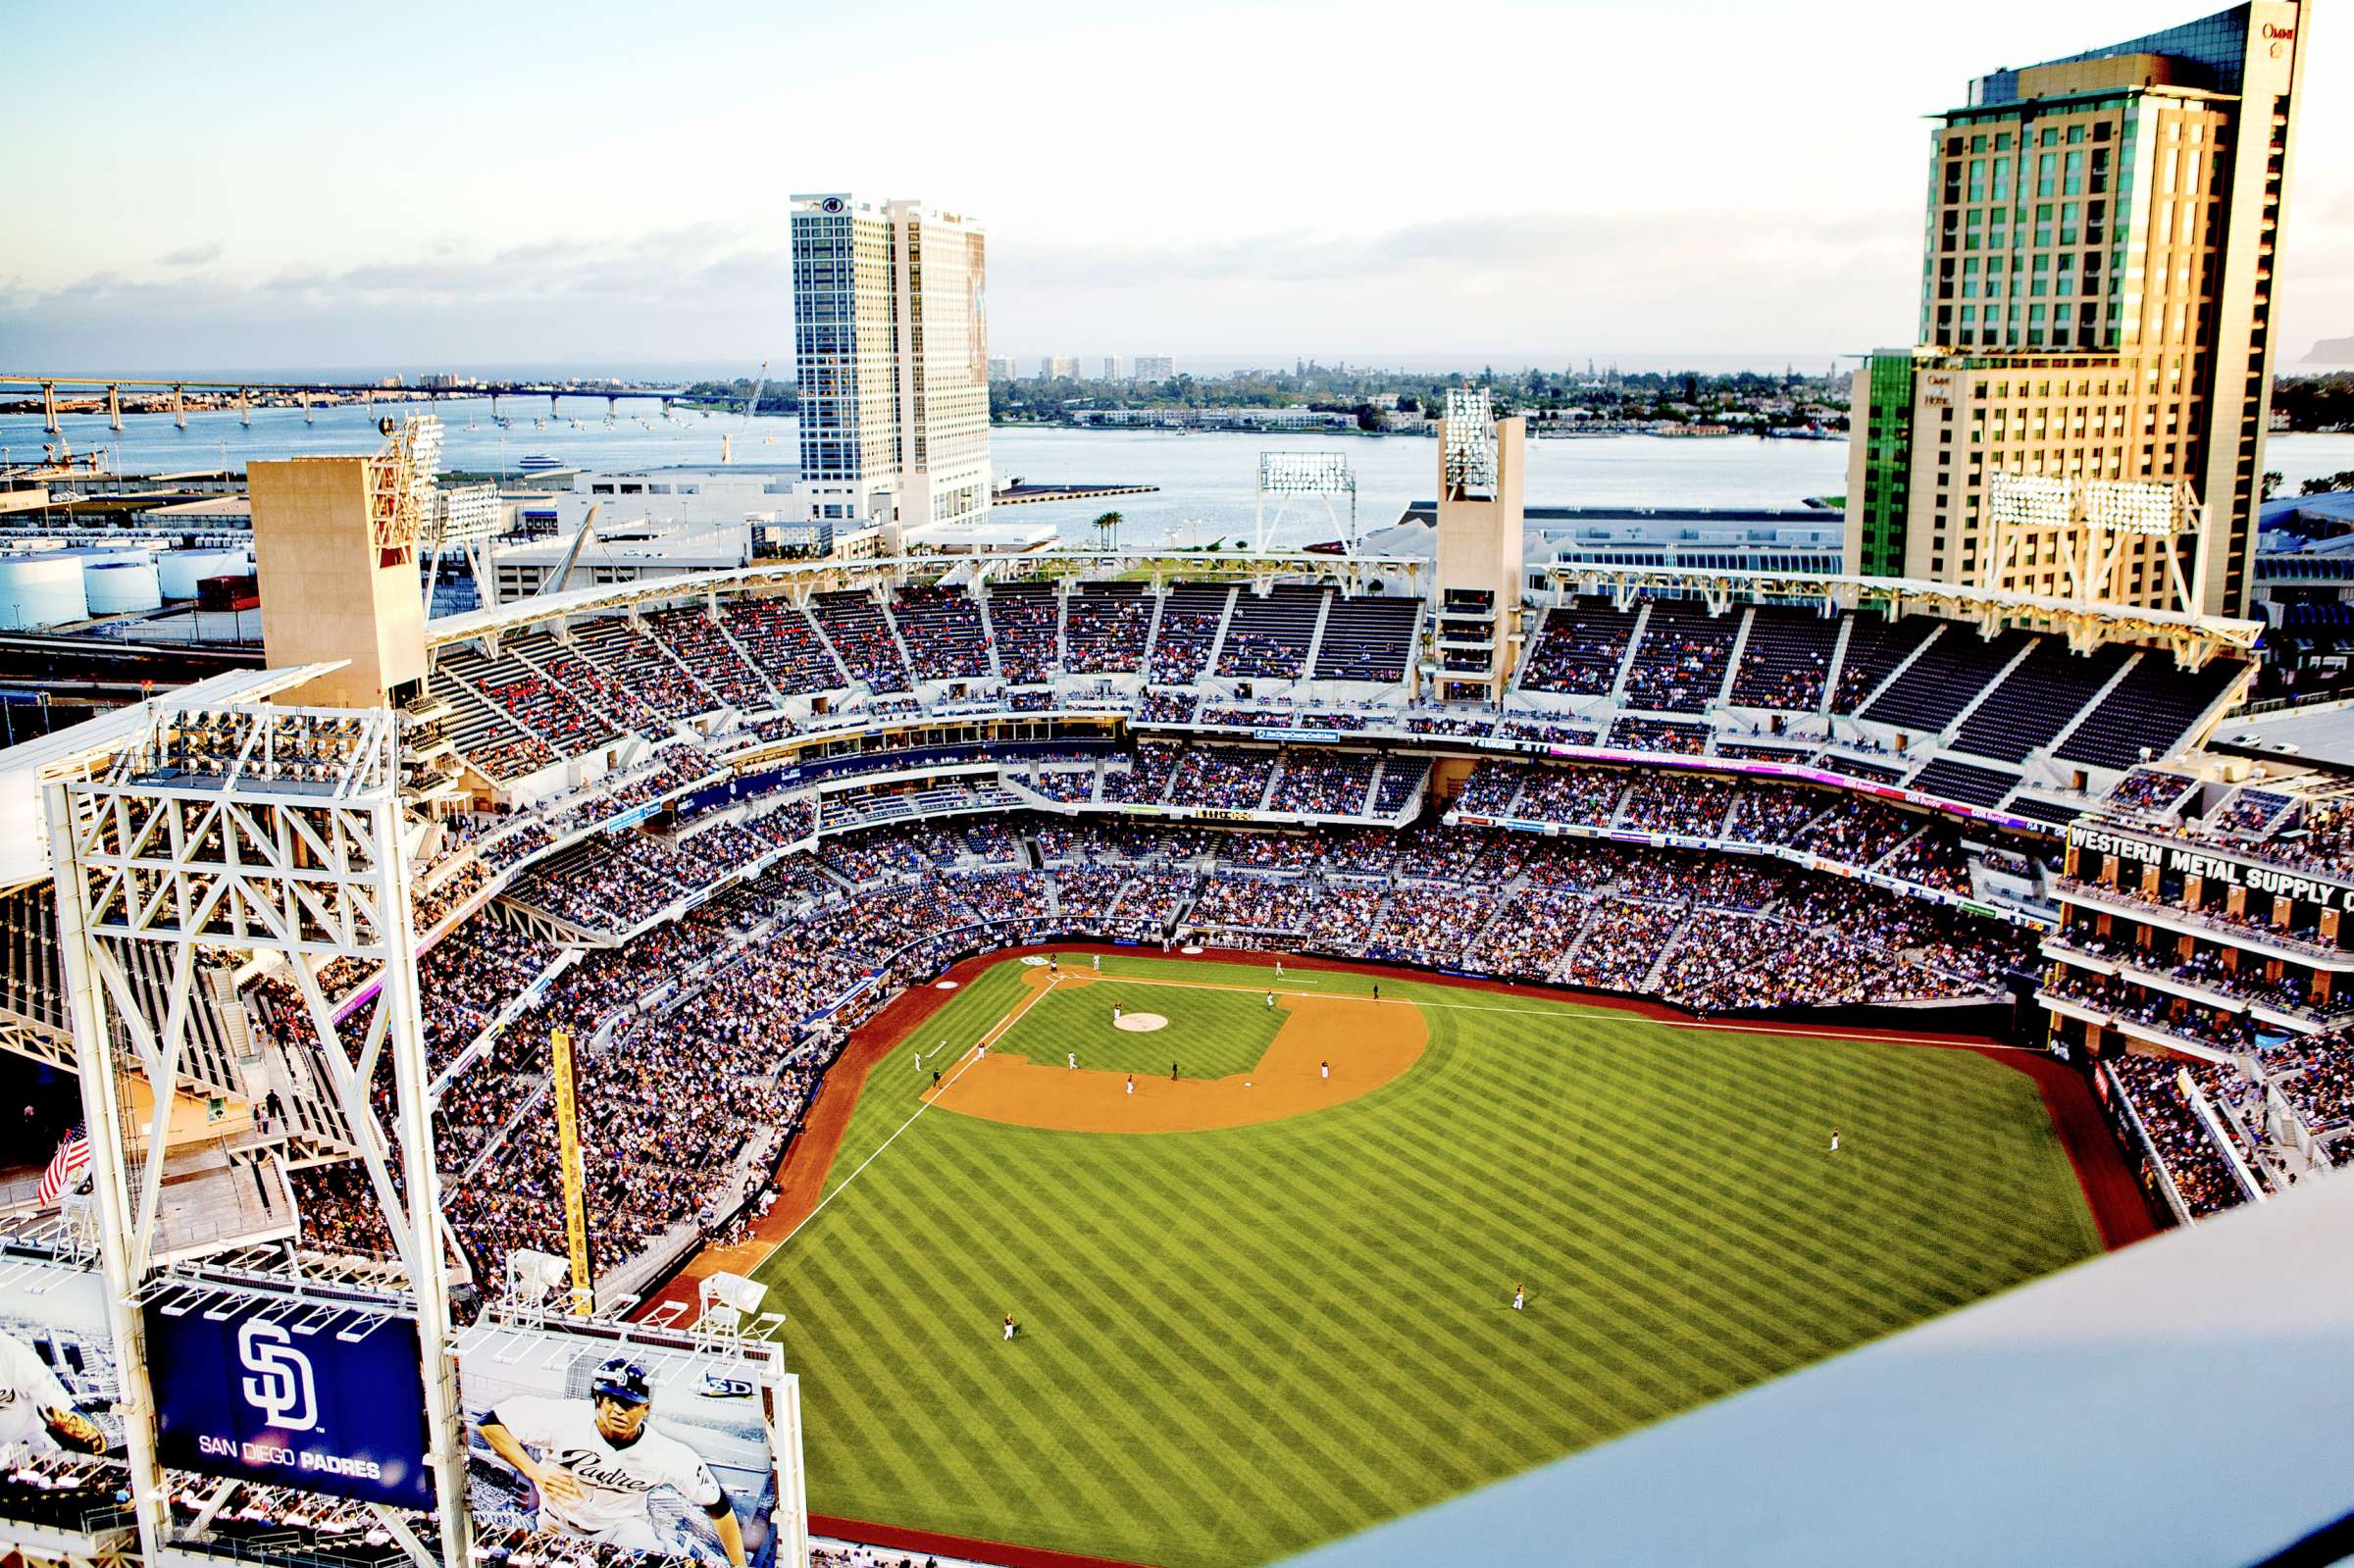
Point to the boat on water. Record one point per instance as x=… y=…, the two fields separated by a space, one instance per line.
x=537 y=463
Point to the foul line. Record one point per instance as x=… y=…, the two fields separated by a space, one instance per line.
x=967 y=1059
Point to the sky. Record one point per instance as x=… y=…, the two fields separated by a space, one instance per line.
x=229 y=187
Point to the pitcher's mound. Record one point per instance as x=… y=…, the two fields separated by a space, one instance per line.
x=1141 y=1022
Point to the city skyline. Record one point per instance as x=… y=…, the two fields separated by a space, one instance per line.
x=1752 y=220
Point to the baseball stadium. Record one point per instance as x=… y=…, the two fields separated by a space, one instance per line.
x=1081 y=1057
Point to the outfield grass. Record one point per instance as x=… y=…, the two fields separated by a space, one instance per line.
x=1237 y=1343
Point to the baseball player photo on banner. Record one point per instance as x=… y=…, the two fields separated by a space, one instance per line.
x=58 y=1379
x=622 y=1444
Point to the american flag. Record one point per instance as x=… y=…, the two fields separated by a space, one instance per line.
x=66 y=1166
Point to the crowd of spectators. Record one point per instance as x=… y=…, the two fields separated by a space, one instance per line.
x=1104 y=631
x=724 y=1008
x=1578 y=650
x=2180 y=1139
x=1181 y=648
x=1023 y=622
x=1629 y=734
x=2146 y=792
x=1682 y=660
x=2117 y=997
x=1324 y=783
x=2212 y=968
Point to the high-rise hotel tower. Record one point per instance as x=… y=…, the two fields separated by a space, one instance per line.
x=891 y=347
x=2096 y=313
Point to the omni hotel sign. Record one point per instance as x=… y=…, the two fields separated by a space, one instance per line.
x=2190 y=860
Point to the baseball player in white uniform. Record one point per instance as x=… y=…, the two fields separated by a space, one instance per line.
x=36 y=1413
x=600 y=1461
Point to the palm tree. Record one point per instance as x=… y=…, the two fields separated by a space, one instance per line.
x=1107 y=529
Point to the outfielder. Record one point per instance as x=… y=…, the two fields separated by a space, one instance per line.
x=600 y=1461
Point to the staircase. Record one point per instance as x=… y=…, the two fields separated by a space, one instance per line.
x=719 y=625
x=899 y=641
x=1830 y=676
x=1732 y=662
x=989 y=636
x=817 y=630
x=1626 y=656
x=1315 y=640
x=1902 y=665
x=1217 y=643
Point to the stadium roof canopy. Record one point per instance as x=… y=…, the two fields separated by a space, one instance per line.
x=2180 y=1403
x=516 y=613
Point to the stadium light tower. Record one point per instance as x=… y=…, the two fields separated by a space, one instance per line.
x=265 y=836
x=1289 y=476
x=2079 y=530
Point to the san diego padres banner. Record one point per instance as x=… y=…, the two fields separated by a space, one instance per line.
x=295 y=1393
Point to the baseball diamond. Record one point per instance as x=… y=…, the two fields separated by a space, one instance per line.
x=1253 y=1319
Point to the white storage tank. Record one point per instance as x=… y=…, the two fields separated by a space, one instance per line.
x=178 y=572
x=120 y=584
x=38 y=590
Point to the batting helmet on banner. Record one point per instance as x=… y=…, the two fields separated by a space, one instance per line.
x=623 y=1380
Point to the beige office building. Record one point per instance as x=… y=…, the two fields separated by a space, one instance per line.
x=891 y=347
x=2096 y=306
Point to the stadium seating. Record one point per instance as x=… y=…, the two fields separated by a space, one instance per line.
x=1109 y=625
x=2153 y=707
x=1191 y=615
x=1269 y=635
x=1875 y=648
x=1679 y=662
x=1578 y=650
x=942 y=631
x=1929 y=692
x=855 y=623
x=1786 y=660
x=696 y=641
x=2038 y=700
x=783 y=644
x=1025 y=621
x=1367 y=638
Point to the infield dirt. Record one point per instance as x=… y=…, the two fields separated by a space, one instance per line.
x=1366 y=1043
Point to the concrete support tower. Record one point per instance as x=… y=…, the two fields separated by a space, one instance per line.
x=1477 y=630
x=334 y=542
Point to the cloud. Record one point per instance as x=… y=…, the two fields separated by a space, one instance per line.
x=693 y=292
x=191 y=255
x=1537 y=284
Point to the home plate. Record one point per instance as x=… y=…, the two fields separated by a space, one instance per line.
x=1141 y=1022
x=945 y=984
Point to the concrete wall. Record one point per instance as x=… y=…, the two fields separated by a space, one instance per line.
x=324 y=593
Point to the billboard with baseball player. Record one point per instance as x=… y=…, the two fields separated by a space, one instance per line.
x=58 y=1379
x=625 y=1444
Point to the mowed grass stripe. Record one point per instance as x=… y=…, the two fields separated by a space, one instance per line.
x=1246 y=1342
x=970 y=1419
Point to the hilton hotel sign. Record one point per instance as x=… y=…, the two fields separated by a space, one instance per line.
x=2198 y=860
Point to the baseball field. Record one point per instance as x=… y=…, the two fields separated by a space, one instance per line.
x=1261 y=1306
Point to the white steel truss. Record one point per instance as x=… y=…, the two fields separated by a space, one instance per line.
x=2089 y=522
x=220 y=836
x=1290 y=477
